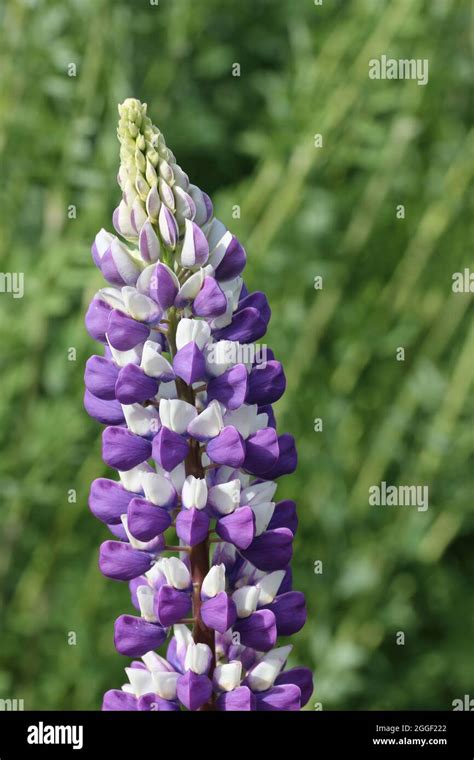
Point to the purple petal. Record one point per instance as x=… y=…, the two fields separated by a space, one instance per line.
x=239 y=700
x=230 y=388
x=148 y=242
x=256 y=300
x=145 y=520
x=301 y=677
x=285 y=697
x=287 y=460
x=189 y=363
x=134 y=636
x=284 y=516
x=121 y=562
x=168 y=227
x=97 y=318
x=210 y=302
x=266 y=384
x=290 y=612
x=122 y=449
x=219 y=612
x=134 y=386
x=169 y=449
x=257 y=631
x=154 y=703
x=238 y=528
x=124 y=332
x=100 y=377
x=271 y=551
x=227 y=448
x=193 y=690
x=171 y=605
x=261 y=451
x=108 y=500
x=163 y=286
x=192 y=526
x=115 y=699
x=195 y=250
x=117 y=266
x=233 y=262
x=106 y=412
x=247 y=325
x=268 y=409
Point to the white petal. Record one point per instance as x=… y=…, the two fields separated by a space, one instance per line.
x=134 y=541
x=225 y=497
x=144 y=281
x=154 y=364
x=227 y=677
x=192 y=329
x=215 y=233
x=155 y=575
x=194 y=493
x=214 y=581
x=269 y=585
x=156 y=663
x=140 y=680
x=218 y=252
x=176 y=572
x=178 y=476
x=244 y=419
x=262 y=676
x=189 y=290
x=198 y=658
x=123 y=262
x=167 y=390
x=176 y=414
x=209 y=423
x=220 y=356
x=263 y=514
x=139 y=306
x=258 y=492
x=164 y=684
x=182 y=635
x=157 y=488
x=142 y=420
x=102 y=241
x=111 y=296
x=132 y=479
x=246 y=599
x=122 y=358
x=145 y=598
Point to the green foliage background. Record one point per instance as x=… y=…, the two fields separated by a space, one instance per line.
x=304 y=212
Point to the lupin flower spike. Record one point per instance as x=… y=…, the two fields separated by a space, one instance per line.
x=187 y=406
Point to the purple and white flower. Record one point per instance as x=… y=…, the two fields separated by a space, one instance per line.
x=191 y=433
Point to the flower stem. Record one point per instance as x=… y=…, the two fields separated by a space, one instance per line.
x=199 y=554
